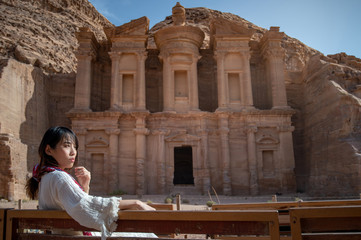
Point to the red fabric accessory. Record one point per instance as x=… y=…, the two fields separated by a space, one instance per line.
x=47 y=169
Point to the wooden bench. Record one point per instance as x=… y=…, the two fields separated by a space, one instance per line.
x=283 y=209
x=255 y=222
x=326 y=223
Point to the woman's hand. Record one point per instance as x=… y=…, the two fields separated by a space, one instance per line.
x=134 y=205
x=83 y=176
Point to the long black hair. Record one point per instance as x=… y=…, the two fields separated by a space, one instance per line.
x=52 y=137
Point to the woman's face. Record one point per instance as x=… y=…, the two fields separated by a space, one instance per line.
x=64 y=153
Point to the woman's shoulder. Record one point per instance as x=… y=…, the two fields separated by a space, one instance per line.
x=56 y=176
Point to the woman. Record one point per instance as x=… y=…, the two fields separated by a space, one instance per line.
x=56 y=189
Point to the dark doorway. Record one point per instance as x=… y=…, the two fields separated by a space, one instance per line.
x=183 y=165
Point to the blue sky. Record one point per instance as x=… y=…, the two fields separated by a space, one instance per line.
x=329 y=26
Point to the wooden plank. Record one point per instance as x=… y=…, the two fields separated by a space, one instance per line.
x=62 y=237
x=160 y=206
x=245 y=215
x=325 y=222
x=332 y=236
x=285 y=205
x=259 y=206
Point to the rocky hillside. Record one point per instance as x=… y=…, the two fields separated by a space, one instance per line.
x=41 y=33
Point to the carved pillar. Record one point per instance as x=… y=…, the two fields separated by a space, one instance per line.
x=247 y=96
x=81 y=134
x=113 y=165
x=252 y=159
x=273 y=53
x=221 y=81
x=287 y=163
x=168 y=84
x=114 y=86
x=140 y=84
x=83 y=82
x=194 y=101
x=204 y=154
x=274 y=62
x=161 y=171
x=226 y=161
x=140 y=155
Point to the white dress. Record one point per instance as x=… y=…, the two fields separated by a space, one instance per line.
x=58 y=191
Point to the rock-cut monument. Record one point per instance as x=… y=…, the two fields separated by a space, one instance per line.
x=181 y=117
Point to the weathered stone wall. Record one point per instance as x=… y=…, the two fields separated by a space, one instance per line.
x=23 y=118
x=332 y=132
x=13 y=171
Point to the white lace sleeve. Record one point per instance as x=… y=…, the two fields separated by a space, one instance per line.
x=90 y=211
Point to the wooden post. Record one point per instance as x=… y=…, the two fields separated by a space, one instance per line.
x=178 y=202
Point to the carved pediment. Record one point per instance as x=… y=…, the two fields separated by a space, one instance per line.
x=97 y=143
x=182 y=137
x=138 y=26
x=267 y=139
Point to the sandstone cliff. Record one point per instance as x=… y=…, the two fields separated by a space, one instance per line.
x=42 y=33
x=38 y=36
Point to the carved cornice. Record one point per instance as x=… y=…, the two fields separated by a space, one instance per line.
x=164 y=132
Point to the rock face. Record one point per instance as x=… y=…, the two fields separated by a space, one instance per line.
x=41 y=33
x=37 y=86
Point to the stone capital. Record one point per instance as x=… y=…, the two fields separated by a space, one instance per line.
x=112 y=131
x=114 y=55
x=85 y=55
x=219 y=55
x=275 y=53
x=285 y=128
x=251 y=129
x=80 y=131
x=141 y=131
x=141 y=55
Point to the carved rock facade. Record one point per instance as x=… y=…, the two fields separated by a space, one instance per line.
x=219 y=116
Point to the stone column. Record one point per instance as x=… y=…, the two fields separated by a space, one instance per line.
x=114 y=86
x=247 y=95
x=168 y=84
x=81 y=134
x=161 y=173
x=274 y=62
x=194 y=101
x=140 y=84
x=221 y=81
x=226 y=161
x=287 y=164
x=113 y=168
x=83 y=82
x=140 y=155
x=204 y=154
x=252 y=159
